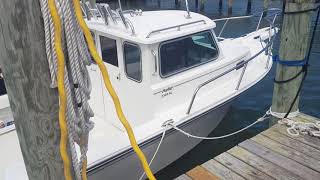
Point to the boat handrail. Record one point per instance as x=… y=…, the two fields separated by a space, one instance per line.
x=230 y=18
x=277 y=10
x=173 y=27
x=241 y=64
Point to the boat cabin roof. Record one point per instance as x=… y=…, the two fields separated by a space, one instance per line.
x=152 y=26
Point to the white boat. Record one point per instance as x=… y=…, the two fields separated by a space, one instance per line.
x=167 y=67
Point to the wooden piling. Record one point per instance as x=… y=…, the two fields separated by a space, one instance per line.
x=294 y=43
x=220 y=7
x=249 y=6
x=230 y=4
x=196 y=5
x=177 y=4
x=265 y=7
x=202 y=5
x=33 y=103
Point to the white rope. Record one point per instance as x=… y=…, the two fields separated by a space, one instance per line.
x=281 y=115
x=156 y=152
x=295 y=128
x=264 y=117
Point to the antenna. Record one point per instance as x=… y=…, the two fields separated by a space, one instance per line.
x=120 y=7
x=188 y=11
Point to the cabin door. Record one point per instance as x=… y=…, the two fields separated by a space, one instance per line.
x=108 y=47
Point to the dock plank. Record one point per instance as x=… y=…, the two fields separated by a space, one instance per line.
x=280 y=160
x=221 y=171
x=263 y=165
x=240 y=167
x=200 y=173
x=311 y=141
x=288 y=152
x=183 y=177
x=308 y=117
x=291 y=142
x=272 y=154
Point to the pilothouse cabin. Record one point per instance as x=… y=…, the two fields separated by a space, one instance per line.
x=148 y=59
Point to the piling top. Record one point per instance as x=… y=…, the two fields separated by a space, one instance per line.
x=153 y=26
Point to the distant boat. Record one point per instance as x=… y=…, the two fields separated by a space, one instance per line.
x=167 y=67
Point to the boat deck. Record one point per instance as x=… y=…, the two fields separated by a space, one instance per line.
x=272 y=154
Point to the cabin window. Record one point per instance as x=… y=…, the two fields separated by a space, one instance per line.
x=109 y=50
x=132 y=61
x=187 y=52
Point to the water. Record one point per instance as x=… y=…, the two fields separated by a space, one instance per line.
x=253 y=103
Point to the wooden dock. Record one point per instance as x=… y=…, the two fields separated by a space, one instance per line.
x=272 y=154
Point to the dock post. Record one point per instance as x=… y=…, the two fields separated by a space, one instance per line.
x=265 y=7
x=177 y=3
x=220 y=4
x=202 y=5
x=230 y=4
x=196 y=5
x=293 y=47
x=220 y=7
x=249 y=6
x=33 y=103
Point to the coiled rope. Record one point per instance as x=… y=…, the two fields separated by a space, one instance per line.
x=60 y=26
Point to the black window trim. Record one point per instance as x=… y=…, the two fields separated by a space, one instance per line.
x=124 y=61
x=188 y=68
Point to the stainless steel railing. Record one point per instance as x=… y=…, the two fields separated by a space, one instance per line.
x=173 y=27
x=276 y=10
x=266 y=49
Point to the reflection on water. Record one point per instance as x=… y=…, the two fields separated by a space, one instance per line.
x=253 y=103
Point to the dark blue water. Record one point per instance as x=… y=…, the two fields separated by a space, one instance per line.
x=253 y=103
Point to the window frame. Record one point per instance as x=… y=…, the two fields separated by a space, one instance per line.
x=124 y=60
x=188 y=68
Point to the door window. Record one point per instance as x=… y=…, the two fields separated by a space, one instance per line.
x=132 y=61
x=109 y=50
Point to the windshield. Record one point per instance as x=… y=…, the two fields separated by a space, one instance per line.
x=183 y=53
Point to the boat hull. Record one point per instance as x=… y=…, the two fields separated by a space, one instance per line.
x=126 y=165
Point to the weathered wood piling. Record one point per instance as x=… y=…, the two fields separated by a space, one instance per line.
x=293 y=47
x=249 y=6
x=265 y=7
x=230 y=4
x=33 y=103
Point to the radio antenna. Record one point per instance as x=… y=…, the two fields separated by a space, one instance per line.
x=187 y=7
x=120 y=7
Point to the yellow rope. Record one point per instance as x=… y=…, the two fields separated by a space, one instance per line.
x=84 y=170
x=110 y=89
x=61 y=89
